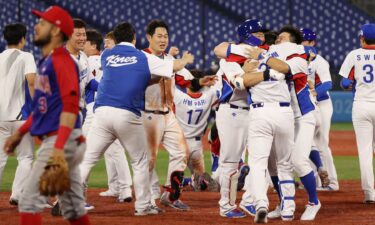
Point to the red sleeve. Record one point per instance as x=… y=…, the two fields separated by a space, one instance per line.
x=67 y=80
x=236 y=58
x=26 y=125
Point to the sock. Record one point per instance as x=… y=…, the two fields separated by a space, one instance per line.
x=275 y=182
x=83 y=220
x=315 y=158
x=310 y=185
x=215 y=163
x=30 y=219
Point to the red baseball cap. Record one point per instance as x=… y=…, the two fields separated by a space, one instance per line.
x=59 y=17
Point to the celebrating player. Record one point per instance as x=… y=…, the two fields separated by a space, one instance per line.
x=358 y=72
x=17 y=69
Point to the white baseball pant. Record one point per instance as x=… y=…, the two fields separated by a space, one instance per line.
x=232 y=125
x=118 y=172
x=363 y=115
x=165 y=130
x=113 y=123
x=24 y=152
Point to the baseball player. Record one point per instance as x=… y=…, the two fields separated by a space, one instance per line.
x=192 y=108
x=54 y=119
x=294 y=64
x=358 y=72
x=119 y=178
x=318 y=72
x=75 y=46
x=160 y=122
x=120 y=100
x=16 y=89
x=233 y=115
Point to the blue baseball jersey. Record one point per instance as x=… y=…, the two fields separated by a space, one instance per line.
x=57 y=78
x=126 y=74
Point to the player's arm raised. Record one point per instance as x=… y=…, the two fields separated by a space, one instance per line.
x=187 y=58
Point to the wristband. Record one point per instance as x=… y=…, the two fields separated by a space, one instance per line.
x=62 y=136
x=266 y=74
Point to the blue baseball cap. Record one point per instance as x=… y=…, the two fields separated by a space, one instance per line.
x=368 y=31
x=245 y=30
x=308 y=34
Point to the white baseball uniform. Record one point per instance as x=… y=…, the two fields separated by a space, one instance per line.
x=119 y=177
x=14 y=109
x=359 y=66
x=121 y=97
x=162 y=127
x=271 y=128
x=232 y=123
x=318 y=72
x=192 y=111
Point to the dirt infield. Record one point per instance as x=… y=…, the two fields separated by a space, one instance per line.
x=342 y=207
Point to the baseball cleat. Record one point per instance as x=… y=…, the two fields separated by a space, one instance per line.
x=311 y=211
x=89 y=206
x=13 y=201
x=56 y=211
x=149 y=210
x=125 y=196
x=244 y=171
x=328 y=188
x=249 y=208
x=108 y=193
x=276 y=213
x=176 y=204
x=234 y=213
x=261 y=215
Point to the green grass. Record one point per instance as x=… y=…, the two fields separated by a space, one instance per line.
x=347 y=166
x=342 y=126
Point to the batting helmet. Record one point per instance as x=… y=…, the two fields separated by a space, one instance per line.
x=248 y=27
x=308 y=34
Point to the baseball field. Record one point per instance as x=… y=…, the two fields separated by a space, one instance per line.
x=341 y=207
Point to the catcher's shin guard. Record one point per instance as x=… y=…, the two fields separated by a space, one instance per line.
x=177 y=178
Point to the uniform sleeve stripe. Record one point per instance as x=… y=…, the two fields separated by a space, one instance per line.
x=351 y=74
x=303 y=56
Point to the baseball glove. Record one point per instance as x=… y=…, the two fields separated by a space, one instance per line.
x=55 y=178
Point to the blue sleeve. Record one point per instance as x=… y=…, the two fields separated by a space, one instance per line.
x=92 y=85
x=228 y=50
x=323 y=87
x=345 y=83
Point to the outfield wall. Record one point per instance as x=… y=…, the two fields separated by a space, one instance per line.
x=342 y=106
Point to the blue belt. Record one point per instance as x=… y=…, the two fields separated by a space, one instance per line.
x=238 y=107
x=261 y=104
x=197 y=138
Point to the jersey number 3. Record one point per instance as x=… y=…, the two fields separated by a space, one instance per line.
x=369 y=77
x=190 y=112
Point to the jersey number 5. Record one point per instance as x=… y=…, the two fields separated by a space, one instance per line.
x=369 y=77
x=190 y=112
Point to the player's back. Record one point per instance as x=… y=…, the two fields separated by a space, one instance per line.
x=126 y=74
x=359 y=65
x=14 y=65
x=192 y=110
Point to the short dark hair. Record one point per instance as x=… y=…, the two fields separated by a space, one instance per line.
x=78 y=23
x=270 y=37
x=124 y=32
x=110 y=35
x=295 y=34
x=195 y=87
x=151 y=27
x=94 y=37
x=13 y=33
x=370 y=41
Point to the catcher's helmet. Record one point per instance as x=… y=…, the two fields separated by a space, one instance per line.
x=308 y=34
x=248 y=27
